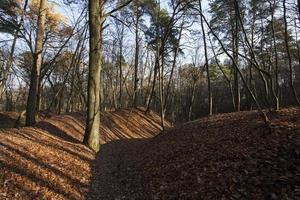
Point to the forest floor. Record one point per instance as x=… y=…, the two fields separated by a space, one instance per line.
x=9 y=119
x=49 y=161
x=226 y=156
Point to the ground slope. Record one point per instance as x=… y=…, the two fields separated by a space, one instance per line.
x=228 y=156
x=48 y=161
x=8 y=119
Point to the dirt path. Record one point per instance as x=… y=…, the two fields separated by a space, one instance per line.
x=115 y=175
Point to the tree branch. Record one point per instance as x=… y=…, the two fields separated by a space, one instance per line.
x=117 y=8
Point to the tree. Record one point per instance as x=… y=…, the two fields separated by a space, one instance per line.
x=210 y=102
x=8 y=16
x=162 y=37
x=36 y=68
x=275 y=52
x=96 y=20
x=225 y=23
x=6 y=7
x=137 y=9
x=298 y=4
x=288 y=53
x=92 y=136
x=265 y=117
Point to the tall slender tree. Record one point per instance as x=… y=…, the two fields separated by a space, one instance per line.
x=10 y=60
x=288 y=53
x=92 y=135
x=210 y=100
x=36 y=68
x=298 y=4
x=96 y=20
x=273 y=9
x=225 y=25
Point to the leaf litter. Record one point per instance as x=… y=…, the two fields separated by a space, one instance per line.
x=226 y=156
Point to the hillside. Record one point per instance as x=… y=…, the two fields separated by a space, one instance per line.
x=8 y=119
x=49 y=160
x=227 y=156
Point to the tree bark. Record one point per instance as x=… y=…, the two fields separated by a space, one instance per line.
x=136 y=57
x=288 y=53
x=161 y=92
x=156 y=68
x=210 y=100
x=277 y=106
x=237 y=90
x=299 y=8
x=192 y=101
x=120 y=67
x=92 y=135
x=176 y=52
x=36 y=68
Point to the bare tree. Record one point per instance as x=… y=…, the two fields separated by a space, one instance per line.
x=97 y=18
x=210 y=101
x=36 y=68
x=288 y=53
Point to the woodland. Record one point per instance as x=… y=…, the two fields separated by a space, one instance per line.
x=149 y=99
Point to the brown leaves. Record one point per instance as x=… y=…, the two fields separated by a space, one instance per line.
x=50 y=162
x=229 y=156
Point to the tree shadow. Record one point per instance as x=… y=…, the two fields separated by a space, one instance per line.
x=69 y=127
x=8 y=119
x=54 y=130
x=37 y=175
x=115 y=171
x=129 y=124
x=49 y=160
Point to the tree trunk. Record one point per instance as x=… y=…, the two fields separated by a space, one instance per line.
x=277 y=106
x=9 y=62
x=176 y=52
x=210 y=102
x=237 y=90
x=8 y=66
x=120 y=68
x=156 y=66
x=289 y=53
x=36 y=68
x=299 y=9
x=224 y=74
x=161 y=92
x=263 y=114
x=298 y=51
x=92 y=136
x=148 y=92
x=136 y=58
x=192 y=101
x=254 y=13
